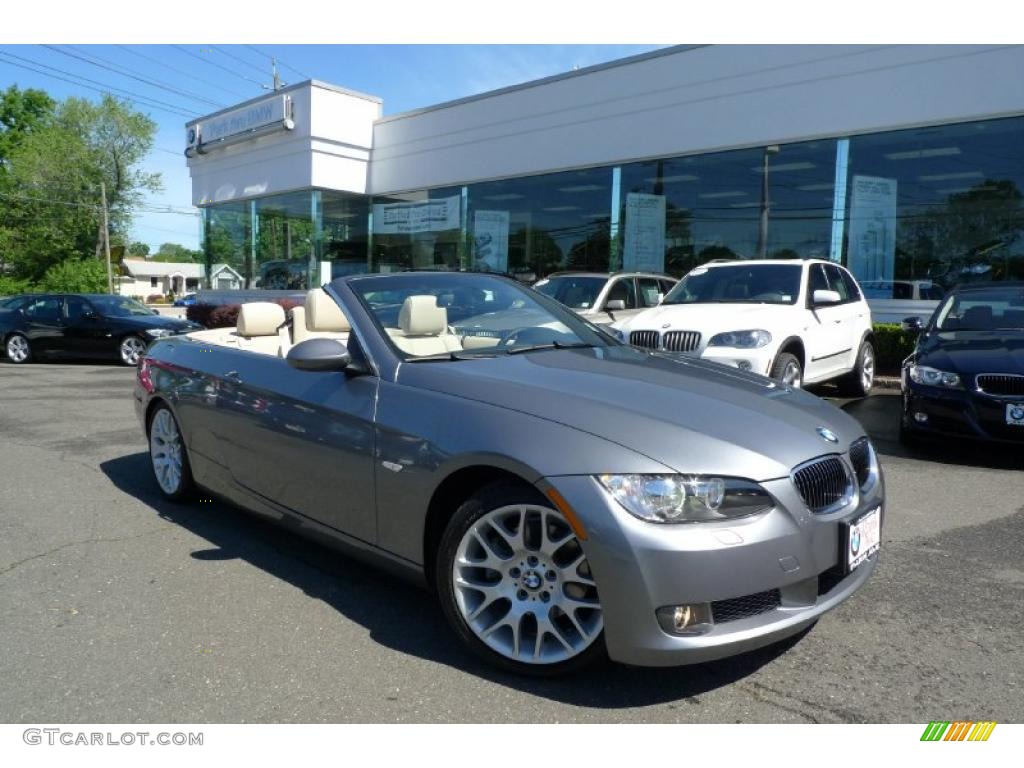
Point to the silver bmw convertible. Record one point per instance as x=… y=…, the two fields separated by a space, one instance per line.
x=563 y=494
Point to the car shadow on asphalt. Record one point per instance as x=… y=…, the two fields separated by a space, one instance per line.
x=880 y=417
x=396 y=614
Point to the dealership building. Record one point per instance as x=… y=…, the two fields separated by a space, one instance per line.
x=905 y=163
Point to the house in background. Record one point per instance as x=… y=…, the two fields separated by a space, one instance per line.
x=143 y=278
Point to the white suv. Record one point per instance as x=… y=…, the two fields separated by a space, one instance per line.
x=604 y=298
x=801 y=322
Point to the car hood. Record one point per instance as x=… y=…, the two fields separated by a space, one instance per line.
x=689 y=415
x=143 y=322
x=707 y=318
x=973 y=352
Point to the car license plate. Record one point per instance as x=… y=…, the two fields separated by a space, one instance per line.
x=863 y=538
x=1015 y=414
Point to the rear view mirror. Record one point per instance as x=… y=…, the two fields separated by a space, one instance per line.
x=613 y=305
x=912 y=324
x=826 y=297
x=319 y=355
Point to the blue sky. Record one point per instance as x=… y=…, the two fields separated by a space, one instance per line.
x=192 y=80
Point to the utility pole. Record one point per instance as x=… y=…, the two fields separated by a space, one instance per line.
x=278 y=85
x=106 y=237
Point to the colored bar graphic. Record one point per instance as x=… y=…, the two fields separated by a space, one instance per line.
x=959 y=730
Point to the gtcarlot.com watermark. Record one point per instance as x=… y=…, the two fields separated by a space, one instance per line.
x=58 y=736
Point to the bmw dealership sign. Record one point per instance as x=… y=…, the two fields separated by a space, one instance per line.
x=271 y=112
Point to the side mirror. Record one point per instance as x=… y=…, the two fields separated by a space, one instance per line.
x=912 y=324
x=319 y=355
x=821 y=298
x=613 y=305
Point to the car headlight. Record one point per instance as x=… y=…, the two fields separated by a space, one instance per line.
x=741 y=339
x=156 y=333
x=686 y=498
x=933 y=377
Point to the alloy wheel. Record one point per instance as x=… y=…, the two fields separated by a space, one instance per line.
x=792 y=375
x=524 y=587
x=132 y=349
x=165 y=452
x=867 y=368
x=17 y=349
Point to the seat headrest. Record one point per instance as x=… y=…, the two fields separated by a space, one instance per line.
x=420 y=316
x=323 y=313
x=259 y=318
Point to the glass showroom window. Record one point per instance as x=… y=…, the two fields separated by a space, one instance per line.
x=419 y=230
x=345 y=232
x=227 y=246
x=681 y=212
x=286 y=242
x=932 y=207
x=535 y=225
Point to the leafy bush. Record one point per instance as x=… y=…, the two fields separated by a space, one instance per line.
x=76 y=276
x=226 y=315
x=892 y=345
x=10 y=286
x=155 y=298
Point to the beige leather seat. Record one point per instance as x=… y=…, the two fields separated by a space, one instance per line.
x=320 y=318
x=423 y=328
x=258 y=322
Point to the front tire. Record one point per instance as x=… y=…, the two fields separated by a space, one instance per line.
x=515 y=584
x=18 y=349
x=167 y=455
x=788 y=370
x=859 y=381
x=131 y=350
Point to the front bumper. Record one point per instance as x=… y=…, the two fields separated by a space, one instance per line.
x=775 y=572
x=961 y=413
x=754 y=360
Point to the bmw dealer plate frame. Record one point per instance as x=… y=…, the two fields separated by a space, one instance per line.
x=1015 y=414
x=863 y=538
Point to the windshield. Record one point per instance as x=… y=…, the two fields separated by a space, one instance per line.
x=455 y=316
x=574 y=291
x=119 y=306
x=983 y=310
x=739 y=284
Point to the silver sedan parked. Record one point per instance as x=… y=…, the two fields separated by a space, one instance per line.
x=563 y=494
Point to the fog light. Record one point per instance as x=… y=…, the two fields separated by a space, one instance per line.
x=688 y=619
x=743 y=365
x=920 y=418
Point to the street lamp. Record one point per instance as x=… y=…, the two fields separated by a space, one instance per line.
x=762 y=231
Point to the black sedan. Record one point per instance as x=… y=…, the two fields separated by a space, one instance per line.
x=82 y=325
x=966 y=376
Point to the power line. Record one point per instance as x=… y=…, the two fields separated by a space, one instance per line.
x=187 y=52
x=181 y=71
x=282 y=63
x=239 y=59
x=117 y=69
x=104 y=88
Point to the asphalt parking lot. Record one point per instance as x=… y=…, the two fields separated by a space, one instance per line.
x=116 y=606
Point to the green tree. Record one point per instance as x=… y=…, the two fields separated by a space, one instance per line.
x=53 y=175
x=176 y=252
x=138 y=250
x=21 y=112
x=76 y=276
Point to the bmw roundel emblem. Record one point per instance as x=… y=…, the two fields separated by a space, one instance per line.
x=828 y=434
x=1017 y=413
x=854 y=542
x=191 y=135
x=665 y=325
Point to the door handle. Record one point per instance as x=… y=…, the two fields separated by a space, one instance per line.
x=233 y=377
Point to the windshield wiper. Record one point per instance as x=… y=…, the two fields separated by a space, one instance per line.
x=449 y=356
x=552 y=345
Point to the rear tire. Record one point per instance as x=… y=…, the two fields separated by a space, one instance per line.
x=788 y=370
x=859 y=381
x=168 y=457
x=515 y=586
x=18 y=349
